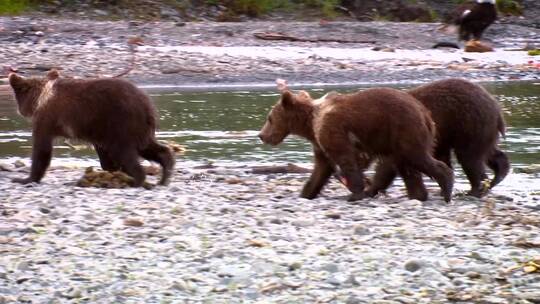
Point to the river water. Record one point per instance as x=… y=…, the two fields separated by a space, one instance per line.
x=222 y=127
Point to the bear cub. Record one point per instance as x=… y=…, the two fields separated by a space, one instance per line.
x=468 y=122
x=112 y=114
x=348 y=131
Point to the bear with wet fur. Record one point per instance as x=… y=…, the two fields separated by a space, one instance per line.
x=347 y=131
x=468 y=121
x=116 y=117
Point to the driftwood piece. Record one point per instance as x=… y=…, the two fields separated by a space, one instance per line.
x=289 y=168
x=281 y=36
x=476 y=46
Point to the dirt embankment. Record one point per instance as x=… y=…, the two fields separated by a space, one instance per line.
x=215 y=54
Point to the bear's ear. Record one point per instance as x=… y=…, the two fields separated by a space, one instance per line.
x=304 y=95
x=15 y=80
x=53 y=74
x=287 y=99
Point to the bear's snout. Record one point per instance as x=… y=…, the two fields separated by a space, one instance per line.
x=263 y=138
x=267 y=139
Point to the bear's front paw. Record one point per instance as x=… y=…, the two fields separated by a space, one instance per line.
x=23 y=181
x=308 y=196
x=356 y=197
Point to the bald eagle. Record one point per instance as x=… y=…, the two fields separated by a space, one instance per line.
x=473 y=20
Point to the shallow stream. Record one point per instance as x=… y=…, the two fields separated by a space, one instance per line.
x=222 y=127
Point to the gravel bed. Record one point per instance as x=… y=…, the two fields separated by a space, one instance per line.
x=225 y=235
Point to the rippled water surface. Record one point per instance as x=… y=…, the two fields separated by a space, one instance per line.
x=222 y=127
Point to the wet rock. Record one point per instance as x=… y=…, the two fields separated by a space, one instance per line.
x=331 y=267
x=133 y=222
x=23 y=266
x=44 y=210
x=334 y=281
x=361 y=230
x=413 y=265
x=333 y=215
x=22 y=279
x=303 y=223
x=73 y=293
x=101 y=12
x=354 y=300
x=473 y=275
x=294 y=266
x=352 y=280
x=19 y=164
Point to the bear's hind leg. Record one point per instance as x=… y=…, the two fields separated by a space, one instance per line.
x=128 y=158
x=499 y=163
x=414 y=183
x=473 y=166
x=162 y=155
x=107 y=163
x=437 y=170
x=352 y=173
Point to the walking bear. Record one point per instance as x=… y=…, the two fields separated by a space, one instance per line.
x=117 y=118
x=347 y=131
x=468 y=121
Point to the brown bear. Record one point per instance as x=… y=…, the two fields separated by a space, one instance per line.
x=468 y=121
x=347 y=131
x=112 y=114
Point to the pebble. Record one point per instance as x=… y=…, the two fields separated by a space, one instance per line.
x=332 y=268
x=361 y=230
x=413 y=265
x=473 y=275
x=133 y=222
x=354 y=300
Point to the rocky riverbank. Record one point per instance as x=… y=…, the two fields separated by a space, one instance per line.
x=228 y=54
x=226 y=235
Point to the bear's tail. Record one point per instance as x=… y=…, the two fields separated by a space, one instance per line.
x=500 y=164
x=163 y=155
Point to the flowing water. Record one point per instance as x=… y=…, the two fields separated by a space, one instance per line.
x=222 y=127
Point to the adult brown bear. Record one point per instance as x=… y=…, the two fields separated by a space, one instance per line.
x=468 y=121
x=111 y=113
x=347 y=131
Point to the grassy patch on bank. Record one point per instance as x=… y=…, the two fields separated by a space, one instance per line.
x=509 y=7
x=14 y=7
x=255 y=8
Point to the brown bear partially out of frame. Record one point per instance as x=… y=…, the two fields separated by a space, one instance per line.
x=468 y=121
x=112 y=114
x=347 y=131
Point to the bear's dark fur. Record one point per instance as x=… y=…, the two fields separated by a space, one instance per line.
x=110 y=113
x=347 y=131
x=468 y=121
